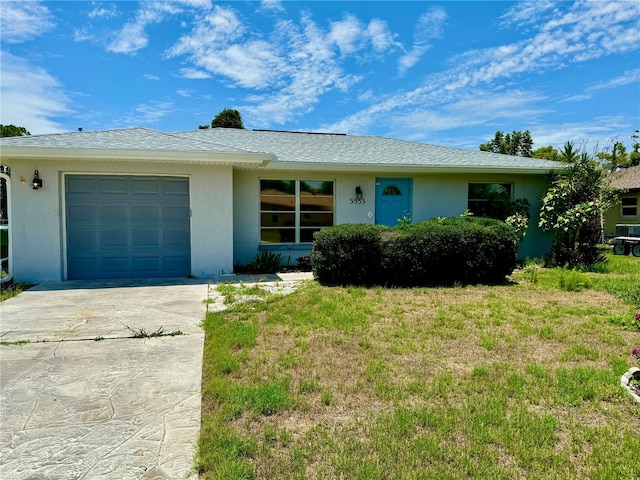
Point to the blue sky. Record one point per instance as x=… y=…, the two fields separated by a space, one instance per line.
x=449 y=73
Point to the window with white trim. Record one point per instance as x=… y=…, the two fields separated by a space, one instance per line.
x=291 y=211
x=629 y=207
x=489 y=199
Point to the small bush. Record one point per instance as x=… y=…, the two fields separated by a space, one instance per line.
x=441 y=251
x=264 y=262
x=574 y=281
x=348 y=254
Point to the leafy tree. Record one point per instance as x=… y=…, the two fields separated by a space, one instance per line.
x=546 y=153
x=13 y=131
x=514 y=143
x=572 y=207
x=617 y=156
x=204 y=127
x=228 y=118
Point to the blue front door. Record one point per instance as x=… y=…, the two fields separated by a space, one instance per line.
x=393 y=200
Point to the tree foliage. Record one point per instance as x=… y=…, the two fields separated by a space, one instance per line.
x=572 y=209
x=514 y=143
x=616 y=155
x=546 y=153
x=13 y=131
x=228 y=118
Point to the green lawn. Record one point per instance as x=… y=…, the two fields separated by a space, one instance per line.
x=513 y=381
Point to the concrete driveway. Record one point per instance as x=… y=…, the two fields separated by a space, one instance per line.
x=85 y=401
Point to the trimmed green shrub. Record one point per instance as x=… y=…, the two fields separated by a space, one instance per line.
x=348 y=254
x=440 y=251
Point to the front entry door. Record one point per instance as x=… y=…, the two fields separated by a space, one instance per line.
x=393 y=200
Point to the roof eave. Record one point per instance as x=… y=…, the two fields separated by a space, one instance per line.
x=156 y=156
x=372 y=168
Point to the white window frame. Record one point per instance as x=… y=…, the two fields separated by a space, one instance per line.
x=297 y=212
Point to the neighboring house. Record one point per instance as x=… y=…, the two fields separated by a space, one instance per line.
x=142 y=203
x=623 y=219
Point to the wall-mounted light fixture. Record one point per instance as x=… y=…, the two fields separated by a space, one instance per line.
x=37 y=181
x=358 y=192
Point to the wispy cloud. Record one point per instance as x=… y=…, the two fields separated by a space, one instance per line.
x=30 y=96
x=291 y=69
x=274 y=6
x=585 y=30
x=526 y=13
x=194 y=74
x=630 y=76
x=428 y=27
x=101 y=12
x=150 y=76
x=133 y=35
x=21 y=21
x=147 y=114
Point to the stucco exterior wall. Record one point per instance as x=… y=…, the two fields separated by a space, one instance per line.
x=434 y=195
x=614 y=216
x=38 y=237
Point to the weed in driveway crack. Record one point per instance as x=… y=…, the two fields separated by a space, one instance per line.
x=159 y=332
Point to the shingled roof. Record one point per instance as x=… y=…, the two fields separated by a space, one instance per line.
x=137 y=138
x=339 y=150
x=275 y=149
x=626 y=178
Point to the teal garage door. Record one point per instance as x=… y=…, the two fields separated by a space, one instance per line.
x=127 y=226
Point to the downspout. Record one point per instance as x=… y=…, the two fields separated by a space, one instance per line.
x=9 y=258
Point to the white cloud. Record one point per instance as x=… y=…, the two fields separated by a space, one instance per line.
x=194 y=74
x=183 y=92
x=271 y=6
x=630 y=76
x=30 y=96
x=150 y=76
x=101 y=12
x=583 y=31
x=147 y=114
x=133 y=36
x=526 y=12
x=428 y=27
x=289 y=71
x=21 y=21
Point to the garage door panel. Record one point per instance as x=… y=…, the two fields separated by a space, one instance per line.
x=176 y=264
x=144 y=187
x=176 y=239
x=146 y=264
x=84 y=265
x=145 y=238
x=113 y=238
x=175 y=187
x=127 y=226
x=82 y=213
x=145 y=214
x=114 y=265
x=81 y=185
x=176 y=214
x=110 y=185
x=82 y=239
x=113 y=214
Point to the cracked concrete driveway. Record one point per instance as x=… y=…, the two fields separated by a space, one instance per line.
x=84 y=401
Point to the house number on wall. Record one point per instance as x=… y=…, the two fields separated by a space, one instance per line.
x=359 y=198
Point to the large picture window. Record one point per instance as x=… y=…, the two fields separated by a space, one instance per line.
x=291 y=211
x=489 y=199
x=629 y=207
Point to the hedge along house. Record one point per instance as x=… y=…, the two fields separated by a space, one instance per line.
x=141 y=203
x=623 y=219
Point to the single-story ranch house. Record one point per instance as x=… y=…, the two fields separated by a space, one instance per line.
x=623 y=219
x=137 y=202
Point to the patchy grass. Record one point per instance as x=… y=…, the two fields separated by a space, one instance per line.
x=511 y=381
x=12 y=289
